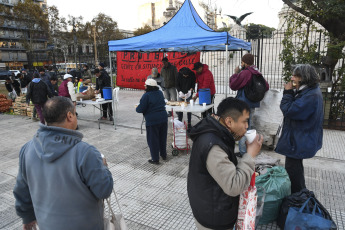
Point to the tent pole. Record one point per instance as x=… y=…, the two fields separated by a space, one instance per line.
x=226 y=71
x=112 y=90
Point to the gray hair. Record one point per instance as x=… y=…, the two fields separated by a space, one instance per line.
x=307 y=73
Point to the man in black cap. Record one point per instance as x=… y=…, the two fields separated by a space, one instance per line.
x=103 y=80
x=204 y=78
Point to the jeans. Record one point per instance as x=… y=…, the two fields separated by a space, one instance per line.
x=156 y=136
x=170 y=94
x=107 y=108
x=242 y=142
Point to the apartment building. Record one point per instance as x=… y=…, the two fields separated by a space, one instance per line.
x=13 y=55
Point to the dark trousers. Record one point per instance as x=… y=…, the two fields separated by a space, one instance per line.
x=209 y=111
x=295 y=169
x=38 y=108
x=107 y=108
x=180 y=116
x=156 y=136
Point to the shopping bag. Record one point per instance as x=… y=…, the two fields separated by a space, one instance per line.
x=247 y=208
x=277 y=185
x=305 y=218
x=114 y=221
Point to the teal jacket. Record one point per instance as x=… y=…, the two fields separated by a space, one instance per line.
x=61 y=181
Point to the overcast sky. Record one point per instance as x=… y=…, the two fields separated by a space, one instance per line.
x=125 y=11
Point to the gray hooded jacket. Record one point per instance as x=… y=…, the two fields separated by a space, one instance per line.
x=61 y=181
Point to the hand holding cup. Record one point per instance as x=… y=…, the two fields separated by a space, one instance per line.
x=254 y=147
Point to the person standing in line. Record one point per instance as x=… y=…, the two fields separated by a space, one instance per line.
x=152 y=106
x=66 y=88
x=24 y=81
x=169 y=74
x=62 y=180
x=38 y=93
x=87 y=75
x=205 y=80
x=238 y=81
x=302 y=131
x=157 y=77
x=216 y=178
x=185 y=86
x=103 y=80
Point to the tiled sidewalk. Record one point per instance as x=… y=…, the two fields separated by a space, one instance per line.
x=155 y=196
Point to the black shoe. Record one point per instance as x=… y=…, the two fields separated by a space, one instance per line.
x=111 y=119
x=153 y=162
x=164 y=158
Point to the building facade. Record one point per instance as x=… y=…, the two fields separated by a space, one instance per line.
x=13 y=55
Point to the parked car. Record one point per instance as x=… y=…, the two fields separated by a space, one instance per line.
x=4 y=74
x=15 y=72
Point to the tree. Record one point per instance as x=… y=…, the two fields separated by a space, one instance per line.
x=33 y=21
x=142 y=30
x=106 y=30
x=331 y=15
x=57 y=26
x=255 y=31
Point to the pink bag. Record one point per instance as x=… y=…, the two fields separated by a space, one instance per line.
x=247 y=208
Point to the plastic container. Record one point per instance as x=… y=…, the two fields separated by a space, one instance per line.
x=205 y=96
x=107 y=93
x=82 y=88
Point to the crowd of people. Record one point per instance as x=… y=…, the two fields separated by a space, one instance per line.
x=217 y=175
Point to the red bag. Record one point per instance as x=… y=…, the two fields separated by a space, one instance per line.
x=247 y=207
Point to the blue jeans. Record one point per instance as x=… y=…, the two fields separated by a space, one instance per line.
x=242 y=142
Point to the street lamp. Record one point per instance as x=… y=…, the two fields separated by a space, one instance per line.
x=93 y=31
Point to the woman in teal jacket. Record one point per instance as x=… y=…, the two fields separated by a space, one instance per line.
x=301 y=134
x=152 y=105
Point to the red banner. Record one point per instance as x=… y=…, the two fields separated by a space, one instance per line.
x=133 y=67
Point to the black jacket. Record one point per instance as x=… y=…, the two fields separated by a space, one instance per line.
x=38 y=92
x=103 y=81
x=184 y=84
x=15 y=84
x=211 y=207
x=25 y=81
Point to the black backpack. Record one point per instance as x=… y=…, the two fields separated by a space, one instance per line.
x=256 y=88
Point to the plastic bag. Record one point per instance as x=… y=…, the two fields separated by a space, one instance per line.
x=178 y=124
x=297 y=200
x=247 y=207
x=277 y=185
x=309 y=216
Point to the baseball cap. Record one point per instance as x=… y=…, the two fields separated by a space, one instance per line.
x=197 y=65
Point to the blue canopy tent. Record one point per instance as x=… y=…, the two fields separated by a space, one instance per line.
x=185 y=32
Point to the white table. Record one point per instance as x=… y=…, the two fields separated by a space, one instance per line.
x=196 y=108
x=98 y=105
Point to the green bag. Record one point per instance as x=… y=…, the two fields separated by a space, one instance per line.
x=277 y=185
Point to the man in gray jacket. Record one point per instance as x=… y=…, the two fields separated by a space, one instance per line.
x=169 y=74
x=61 y=180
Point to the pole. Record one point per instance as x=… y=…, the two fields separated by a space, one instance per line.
x=95 y=44
x=112 y=89
x=226 y=71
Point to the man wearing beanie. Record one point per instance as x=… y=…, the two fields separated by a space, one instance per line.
x=238 y=81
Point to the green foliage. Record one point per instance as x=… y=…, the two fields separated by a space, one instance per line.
x=255 y=31
x=142 y=30
x=297 y=45
x=223 y=29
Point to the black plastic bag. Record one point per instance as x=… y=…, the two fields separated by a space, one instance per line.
x=296 y=200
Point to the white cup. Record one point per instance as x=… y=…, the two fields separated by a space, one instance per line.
x=250 y=135
x=81 y=99
x=204 y=104
x=191 y=102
